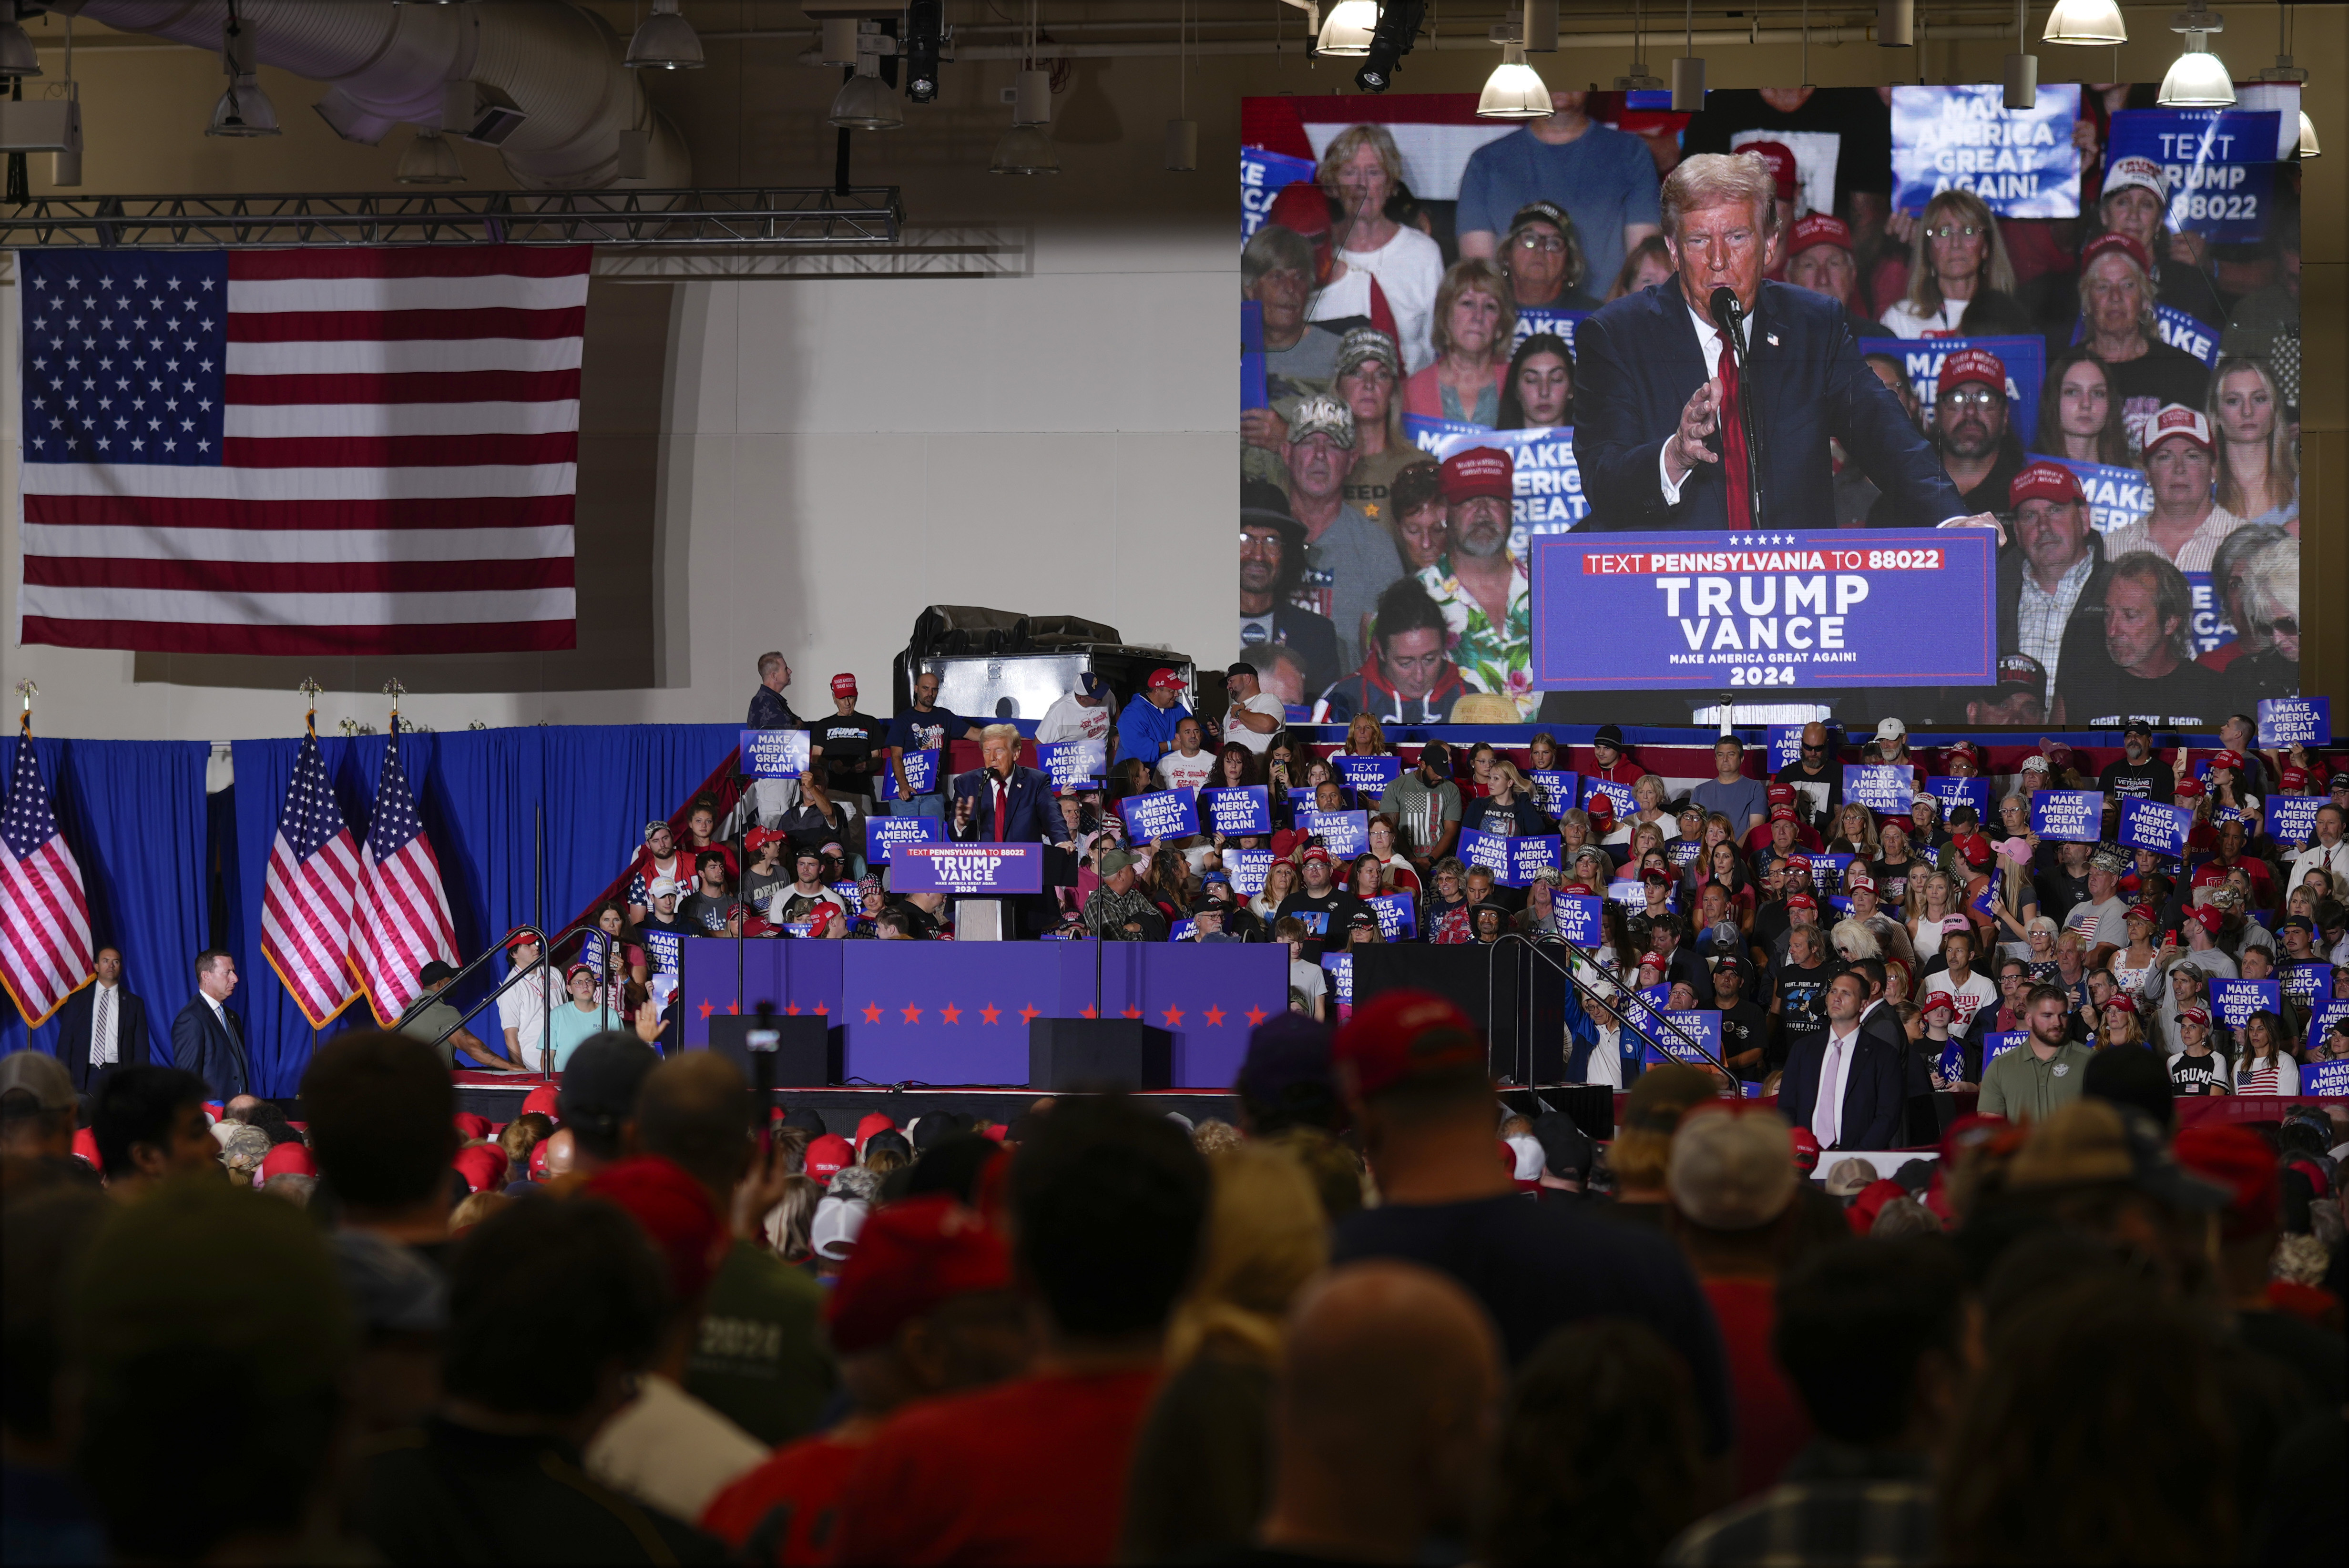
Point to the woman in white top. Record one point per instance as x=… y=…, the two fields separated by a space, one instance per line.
x=2259 y=476
x=1929 y=895
x=2262 y=1065
x=1360 y=168
x=1648 y=792
x=1955 y=253
x=1280 y=882
x=2134 y=965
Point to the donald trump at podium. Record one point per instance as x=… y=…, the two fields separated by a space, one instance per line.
x=1659 y=432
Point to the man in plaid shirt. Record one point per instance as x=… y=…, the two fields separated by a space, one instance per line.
x=2059 y=566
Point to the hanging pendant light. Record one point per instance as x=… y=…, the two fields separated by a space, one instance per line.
x=664 y=41
x=1688 y=72
x=1514 y=90
x=2284 y=73
x=429 y=161
x=2197 y=79
x=1348 y=29
x=1638 y=78
x=2085 y=22
x=865 y=102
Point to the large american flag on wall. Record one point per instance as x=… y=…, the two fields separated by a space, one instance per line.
x=301 y=453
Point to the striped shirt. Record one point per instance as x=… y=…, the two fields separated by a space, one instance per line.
x=2040 y=617
x=2194 y=555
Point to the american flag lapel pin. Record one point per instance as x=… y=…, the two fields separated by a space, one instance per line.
x=1771 y=338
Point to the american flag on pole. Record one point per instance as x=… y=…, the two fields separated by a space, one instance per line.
x=314 y=883
x=301 y=453
x=403 y=916
x=44 y=916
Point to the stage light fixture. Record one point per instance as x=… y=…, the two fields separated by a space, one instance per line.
x=1688 y=72
x=2284 y=72
x=865 y=102
x=2085 y=22
x=664 y=41
x=922 y=36
x=1397 y=30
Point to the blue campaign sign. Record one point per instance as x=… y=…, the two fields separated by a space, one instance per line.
x=1683 y=852
x=1954 y=793
x=2221 y=164
x=2295 y=721
x=661 y=949
x=883 y=834
x=2325 y=1080
x=1367 y=777
x=2232 y=1002
x=1397 y=920
x=1547 y=489
x=1714 y=611
x=1530 y=854
x=1515 y=861
x=2320 y=1023
x=1701 y=1026
x=1344 y=834
x=1619 y=795
x=1826 y=869
x=2303 y=982
x=1340 y=967
x=2292 y=818
x=1920 y=358
x=1161 y=814
x=1785 y=746
x=2074 y=816
x=2116 y=496
x=1557 y=323
x=968 y=868
x=2151 y=825
x=1182 y=930
x=1560 y=792
x=774 y=753
x=921 y=772
x=1236 y=813
x=1582 y=921
x=1888 y=789
x=2021 y=162
x=1247 y=869
x=1074 y=764
x=1491 y=850
x=1262 y=176
x=1630 y=894
x=1997 y=1044
x=1301 y=800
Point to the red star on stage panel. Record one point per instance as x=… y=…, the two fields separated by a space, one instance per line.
x=871 y=1013
x=1215 y=1017
x=989 y=1015
x=1254 y=1016
x=1173 y=1017
x=912 y=1013
x=950 y=1014
x=1029 y=1015
x=708 y=1008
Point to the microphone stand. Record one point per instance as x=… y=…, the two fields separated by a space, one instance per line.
x=1730 y=316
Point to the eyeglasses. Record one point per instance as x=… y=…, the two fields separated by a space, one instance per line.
x=1954 y=232
x=1552 y=244
x=1811 y=749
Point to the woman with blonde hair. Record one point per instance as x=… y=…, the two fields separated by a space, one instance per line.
x=1280 y=882
x=1853 y=941
x=2259 y=471
x=1955 y=254
x=1203 y=1462
x=1471 y=332
x=1365 y=736
x=1362 y=169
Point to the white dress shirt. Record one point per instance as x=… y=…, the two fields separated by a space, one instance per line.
x=1835 y=1077
x=105 y=1025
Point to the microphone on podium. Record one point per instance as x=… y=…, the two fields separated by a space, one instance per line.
x=1726 y=311
x=1729 y=316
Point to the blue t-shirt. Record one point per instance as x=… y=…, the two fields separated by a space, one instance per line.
x=1603 y=178
x=1145 y=731
x=1737 y=801
x=931 y=731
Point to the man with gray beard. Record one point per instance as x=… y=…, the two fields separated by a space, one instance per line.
x=1484 y=591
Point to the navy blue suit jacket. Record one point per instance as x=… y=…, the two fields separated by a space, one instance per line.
x=1875 y=1097
x=79 y=1016
x=199 y=1045
x=1639 y=361
x=1031 y=817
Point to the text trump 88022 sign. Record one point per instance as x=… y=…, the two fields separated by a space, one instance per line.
x=1717 y=611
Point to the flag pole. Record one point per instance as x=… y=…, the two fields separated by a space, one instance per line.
x=310 y=688
x=29 y=691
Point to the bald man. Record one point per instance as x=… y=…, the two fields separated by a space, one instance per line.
x=1384 y=1416
x=1817 y=775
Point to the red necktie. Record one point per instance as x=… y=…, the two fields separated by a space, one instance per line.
x=1002 y=799
x=1732 y=443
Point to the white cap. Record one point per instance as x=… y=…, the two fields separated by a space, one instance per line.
x=663 y=887
x=1892 y=729
x=2136 y=171
x=1732 y=1172
x=2034 y=763
x=1529 y=1151
x=834 y=1229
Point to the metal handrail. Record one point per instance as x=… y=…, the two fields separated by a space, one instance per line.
x=1622 y=1021
x=545 y=963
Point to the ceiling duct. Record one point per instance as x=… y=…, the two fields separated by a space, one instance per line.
x=553 y=96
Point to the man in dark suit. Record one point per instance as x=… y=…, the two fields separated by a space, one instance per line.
x=104 y=1026
x=1872 y=1110
x=1000 y=802
x=1658 y=432
x=207 y=1038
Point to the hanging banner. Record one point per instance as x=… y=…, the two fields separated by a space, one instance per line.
x=2021 y=162
x=1717 y=611
x=2221 y=164
x=1547 y=484
x=2025 y=360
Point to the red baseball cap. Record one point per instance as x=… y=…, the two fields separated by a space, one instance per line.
x=85 y=1147
x=2105 y=243
x=676 y=1214
x=1938 y=999
x=517 y=938
x=1801 y=900
x=1859 y=882
x=1781 y=794
x=1807 y=1149
x=1652 y=875
x=288 y=1160
x=471 y=1126
x=827 y=1157
x=1799 y=863
x=1971 y=364
x=843 y=685
x=911 y=1258
x=2233 y=761
x=2194 y=1015
x=1403 y=1034
x=2177 y=422
x=2186 y=788
x=1782 y=812
x=1975 y=850
x=2239 y=1160
x=1780 y=160
x=1480 y=470
x=2295 y=780
x=1818 y=229
x=871 y=1122
x=2125 y=1003
x=1601 y=806
x=760 y=838
x=1164 y=680
x=482 y=1166
x=1301 y=205
x=2045 y=481
x=545 y=1099
x=2208 y=917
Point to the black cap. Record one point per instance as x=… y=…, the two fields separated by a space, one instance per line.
x=1609 y=735
x=1566 y=1150
x=434 y=972
x=2131 y=1075
x=1241 y=668
x=2137 y=726
x=807 y=1119
x=1263 y=504
x=599 y=1087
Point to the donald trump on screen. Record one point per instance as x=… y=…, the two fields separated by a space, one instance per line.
x=1658 y=429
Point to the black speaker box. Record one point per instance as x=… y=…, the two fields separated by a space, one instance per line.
x=1098 y=1053
x=808 y=1050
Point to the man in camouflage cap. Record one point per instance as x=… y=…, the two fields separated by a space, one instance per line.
x=1349 y=560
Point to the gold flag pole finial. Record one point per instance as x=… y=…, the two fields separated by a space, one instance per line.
x=310 y=688
x=29 y=691
x=393 y=689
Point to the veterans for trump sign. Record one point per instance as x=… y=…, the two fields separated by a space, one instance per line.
x=1782 y=610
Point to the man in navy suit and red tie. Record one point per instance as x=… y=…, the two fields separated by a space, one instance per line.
x=1000 y=802
x=1659 y=432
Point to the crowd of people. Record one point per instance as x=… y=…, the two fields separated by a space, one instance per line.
x=1356 y=538
x=1378 y=1313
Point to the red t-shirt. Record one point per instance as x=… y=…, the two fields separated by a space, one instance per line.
x=1029 y=1471
x=801 y=1483
x=1771 y=1426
